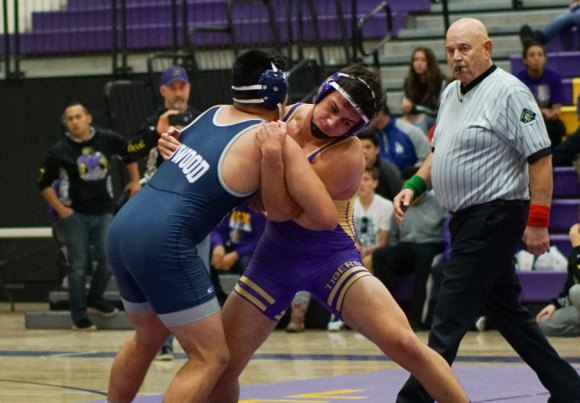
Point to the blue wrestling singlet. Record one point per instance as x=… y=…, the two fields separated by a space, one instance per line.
x=290 y=258
x=152 y=239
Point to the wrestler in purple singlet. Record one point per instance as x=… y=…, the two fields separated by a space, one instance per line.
x=290 y=258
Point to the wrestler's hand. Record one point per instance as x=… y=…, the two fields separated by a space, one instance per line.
x=536 y=240
x=167 y=144
x=547 y=311
x=270 y=138
x=401 y=203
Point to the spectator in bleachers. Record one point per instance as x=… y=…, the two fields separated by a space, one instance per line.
x=546 y=85
x=400 y=142
x=412 y=248
x=423 y=87
x=175 y=90
x=81 y=161
x=561 y=318
x=389 y=176
x=568 y=152
x=233 y=242
x=561 y=23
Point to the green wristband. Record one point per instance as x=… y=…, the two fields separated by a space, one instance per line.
x=416 y=184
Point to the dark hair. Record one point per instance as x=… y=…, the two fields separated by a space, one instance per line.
x=77 y=103
x=249 y=66
x=373 y=171
x=367 y=94
x=369 y=134
x=424 y=91
x=529 y=44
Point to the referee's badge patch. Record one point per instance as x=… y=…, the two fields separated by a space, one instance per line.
x=527 y=116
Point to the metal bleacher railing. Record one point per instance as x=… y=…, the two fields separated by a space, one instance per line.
x=118 y=28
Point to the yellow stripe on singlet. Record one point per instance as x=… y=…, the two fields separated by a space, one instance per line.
x=347 y=286
x=343 y=277
x=250 y=298
x=258 y=289
x=345 y=209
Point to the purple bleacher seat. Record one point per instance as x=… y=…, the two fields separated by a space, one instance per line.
x=563 y=214
x=540 y=286
x=562 y=242
x=85 y=26
x=567 y=64
x=566 y=182
x=416 y=6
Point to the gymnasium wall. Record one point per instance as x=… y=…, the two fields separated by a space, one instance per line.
x=30 y=123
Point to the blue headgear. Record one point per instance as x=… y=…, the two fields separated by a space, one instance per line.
x=270 y=91
x=331 y=84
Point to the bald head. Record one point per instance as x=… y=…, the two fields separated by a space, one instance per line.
x=468 y=49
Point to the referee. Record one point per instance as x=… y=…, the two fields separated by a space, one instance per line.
x=490 y=165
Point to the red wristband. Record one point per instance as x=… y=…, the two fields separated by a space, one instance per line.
x=539 y=216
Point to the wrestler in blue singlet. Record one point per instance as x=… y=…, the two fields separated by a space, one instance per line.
x=152 y=239
x=290 y=258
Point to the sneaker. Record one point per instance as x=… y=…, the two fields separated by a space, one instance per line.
x=335 y=324
x=166 y=354
x=481 y=323
x=103 y=308
x=526 y=34
x=84 y=324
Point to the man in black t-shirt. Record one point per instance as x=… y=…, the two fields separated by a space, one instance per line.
x=81 y=163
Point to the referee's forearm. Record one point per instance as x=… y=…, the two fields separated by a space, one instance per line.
x=425 y=170
x=541 y=181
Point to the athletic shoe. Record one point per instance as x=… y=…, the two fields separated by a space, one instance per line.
x=335 y=324
x=166 y=354
x=84 y=324
x=526 y=34
x=481 y=323
x=103 y=308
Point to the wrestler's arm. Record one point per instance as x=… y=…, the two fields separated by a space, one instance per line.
x=282 y=159
x=270 y=139
x=340 y=169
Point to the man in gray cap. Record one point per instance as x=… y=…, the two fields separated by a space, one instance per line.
x=175 y=111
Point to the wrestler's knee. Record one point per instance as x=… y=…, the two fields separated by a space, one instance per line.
x=404 y=347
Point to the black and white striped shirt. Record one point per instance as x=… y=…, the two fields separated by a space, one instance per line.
x=486 y=134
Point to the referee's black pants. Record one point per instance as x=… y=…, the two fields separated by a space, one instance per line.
x=480 y=277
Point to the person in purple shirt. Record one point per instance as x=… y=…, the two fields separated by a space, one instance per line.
x=546 y=85
x=233 y=242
